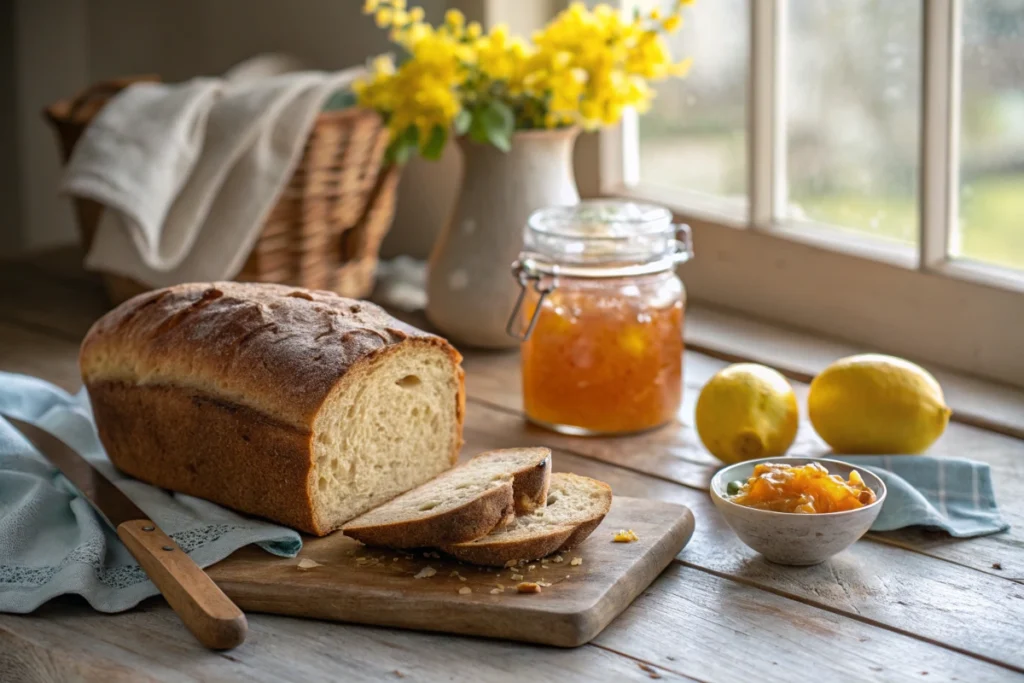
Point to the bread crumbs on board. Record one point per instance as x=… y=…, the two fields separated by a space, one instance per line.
x=576 y=561
x=528 y=587
x=306 y=563
x=465 y=590
x=425 y=573
x=625 y=536
x=495 y=591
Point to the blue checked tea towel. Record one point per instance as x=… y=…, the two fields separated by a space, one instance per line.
x=51 y=540
x=946 y=493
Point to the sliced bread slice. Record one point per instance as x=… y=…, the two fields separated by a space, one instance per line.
x=461 y=504
x=575 y=507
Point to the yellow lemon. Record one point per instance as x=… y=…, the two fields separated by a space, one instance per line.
x=877 y=404
x=747 y=411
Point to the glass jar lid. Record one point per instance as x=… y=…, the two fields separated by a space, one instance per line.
x=604 y=238
x=594 y=239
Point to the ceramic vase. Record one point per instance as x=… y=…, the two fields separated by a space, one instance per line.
x=470 y=287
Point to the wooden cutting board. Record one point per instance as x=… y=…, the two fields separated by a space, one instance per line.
x=373 y=586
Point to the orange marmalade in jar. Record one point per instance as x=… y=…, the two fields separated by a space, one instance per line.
x=600 y=317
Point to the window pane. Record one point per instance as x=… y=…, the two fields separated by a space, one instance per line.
x=992 y=134
x=694 y=137
x=852 y=92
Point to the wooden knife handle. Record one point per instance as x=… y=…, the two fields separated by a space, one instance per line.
x=206 y=611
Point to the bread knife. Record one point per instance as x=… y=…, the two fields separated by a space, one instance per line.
x=209 y=614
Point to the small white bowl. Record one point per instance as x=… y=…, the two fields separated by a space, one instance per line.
x=795 y=538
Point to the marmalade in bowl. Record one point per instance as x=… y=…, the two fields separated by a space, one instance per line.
x=806 y=489
x=605 y=356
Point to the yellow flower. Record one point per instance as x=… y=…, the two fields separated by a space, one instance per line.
x=384 y=64
x=586 y=67
x=454 y=18
x=655 y=14
x=400 y=18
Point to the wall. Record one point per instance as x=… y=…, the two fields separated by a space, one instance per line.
x=10 y=185
x=49 y=62
x=62 y=45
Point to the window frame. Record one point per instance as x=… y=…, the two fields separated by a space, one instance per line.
x=920 y=303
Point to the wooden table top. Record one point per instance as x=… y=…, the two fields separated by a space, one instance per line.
x=907 y=605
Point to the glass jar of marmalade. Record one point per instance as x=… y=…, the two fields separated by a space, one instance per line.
x=600 y=317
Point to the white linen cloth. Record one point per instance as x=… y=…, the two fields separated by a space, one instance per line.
x=189 y=172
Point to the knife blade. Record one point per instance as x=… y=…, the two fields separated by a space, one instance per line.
x=108 y=500
x=211 y=616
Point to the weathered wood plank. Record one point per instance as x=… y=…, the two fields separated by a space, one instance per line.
x=63 y=307
x=685 y=624
x=150 y=643
x=40 y=355
x=25 y=661
x=874 y=582
x=675 y=453
x=757 y=636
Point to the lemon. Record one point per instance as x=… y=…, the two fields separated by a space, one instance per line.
x=877 y=404
x=747 y=411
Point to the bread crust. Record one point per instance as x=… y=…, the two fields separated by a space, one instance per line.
x=500 y=552
x=150 y=433
x=178 y=378
x=476 y=518
x=277 y=349
x=530 y=485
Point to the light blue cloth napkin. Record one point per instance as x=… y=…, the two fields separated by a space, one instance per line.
x=53 y=543
x=946 y=493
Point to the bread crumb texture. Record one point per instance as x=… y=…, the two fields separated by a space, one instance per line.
x=306 y=563
x=425 y=573
x=576 y=561
x=465 y=590
x=528 y=587
x=625 y=536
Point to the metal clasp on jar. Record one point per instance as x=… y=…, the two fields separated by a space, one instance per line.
x=527 y=274
x=543 y=276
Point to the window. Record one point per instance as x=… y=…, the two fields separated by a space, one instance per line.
x=851 y=94
x=851 y=167
x=695 y=136
x=991 y=216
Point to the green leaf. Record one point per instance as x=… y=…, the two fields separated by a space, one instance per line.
x=435 y=145
x=462 y=121
x=402 y=147
x=500 y=122
x=493 y=122
x=477 y=125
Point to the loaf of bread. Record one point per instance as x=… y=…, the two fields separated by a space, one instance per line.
x=299 y=406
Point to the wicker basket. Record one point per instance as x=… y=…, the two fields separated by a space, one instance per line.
x=326 y=228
